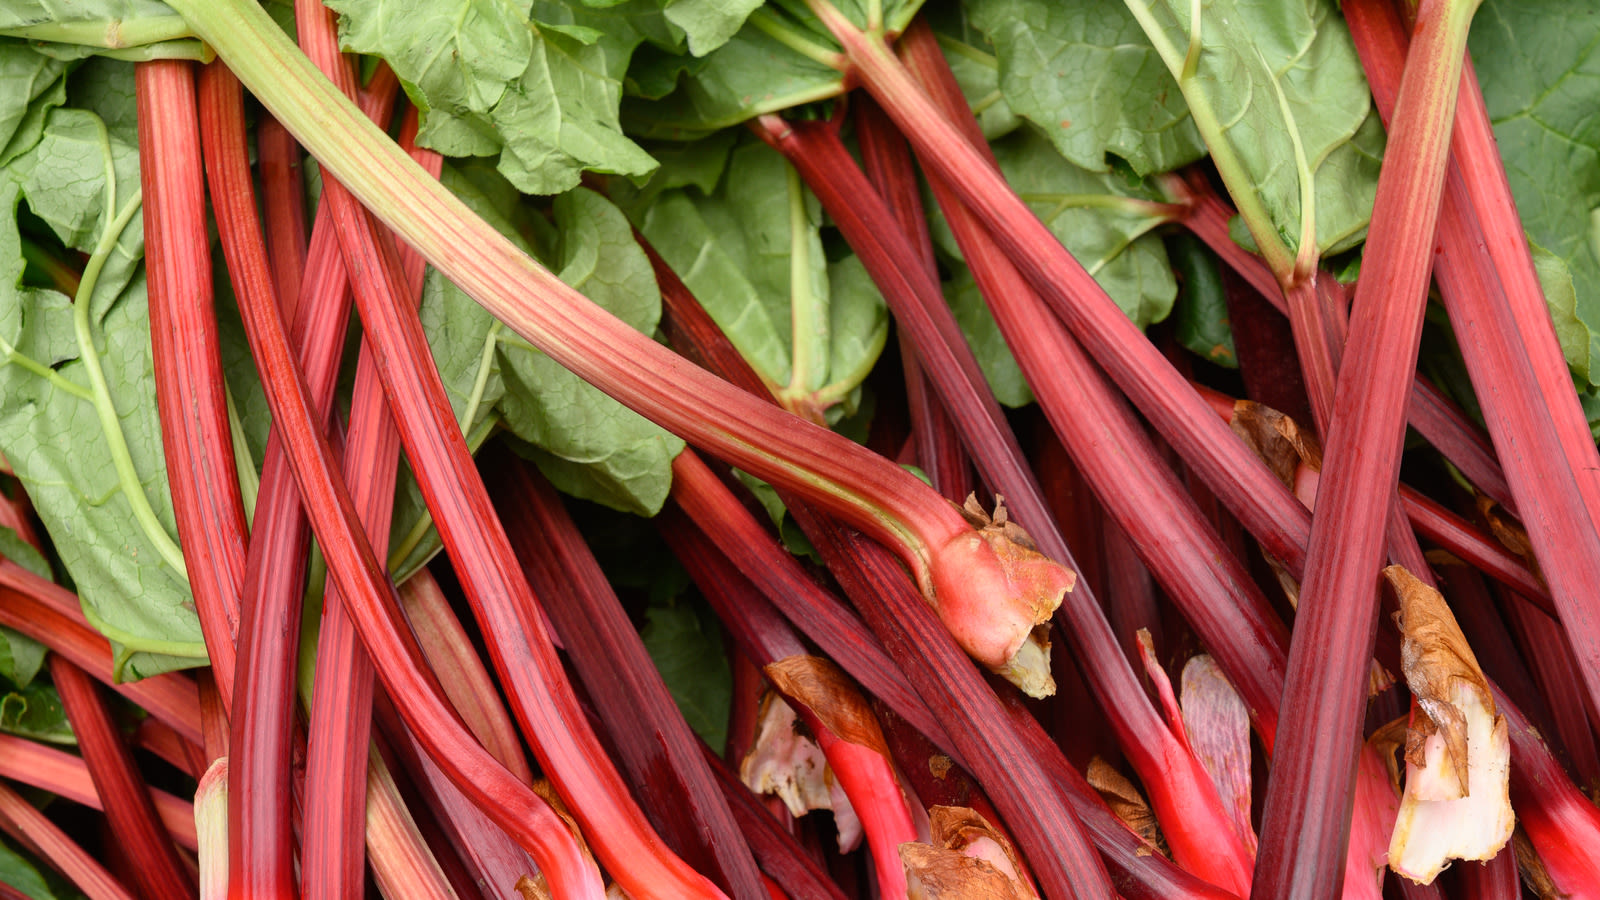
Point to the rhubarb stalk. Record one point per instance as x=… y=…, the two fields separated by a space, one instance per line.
x=1307 y=812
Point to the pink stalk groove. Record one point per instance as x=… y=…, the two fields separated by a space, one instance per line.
x=359 y=575
x=23 y=821
x=187 y=361
x=1307 y=813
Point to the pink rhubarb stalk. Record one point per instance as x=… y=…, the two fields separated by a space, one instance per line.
x=187 y=358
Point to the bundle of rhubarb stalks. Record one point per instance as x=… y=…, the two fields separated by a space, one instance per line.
x=1223 y=519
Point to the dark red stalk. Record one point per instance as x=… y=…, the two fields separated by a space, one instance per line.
x=1307 y=812
x=887 y=161
x=66 y=776
x=777 y=852
x=1496 y=879
x=1550 y=659
x=505 y=607
x=356 y=569
x=656 y=747
x=160 y=873
x=1432 y=521
x=1433 y=415
x=186 y=358
x=283 y=204
x=1475 y=154
x=50 y=614
x=866 y=569
x=343 y=683
x=1550 y=478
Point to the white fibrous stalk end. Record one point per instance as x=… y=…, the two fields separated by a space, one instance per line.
x=1457 y=802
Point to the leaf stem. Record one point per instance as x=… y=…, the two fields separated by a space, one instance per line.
x=112 y=34
x=808 y=309
x=769 y=24
x=100 y=392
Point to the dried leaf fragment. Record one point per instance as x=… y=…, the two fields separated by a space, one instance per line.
x=832 y=697
x=1218 y=726
x=1457 y=802
x=969 y=858
x=1127 y=803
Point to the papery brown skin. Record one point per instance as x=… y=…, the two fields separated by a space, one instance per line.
x=1129 y=805
x=1218 y=726
x=831 y=696
x=935 y=873
x=993 y=591
x=966 y=831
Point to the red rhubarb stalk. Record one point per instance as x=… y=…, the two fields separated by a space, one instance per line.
x=186 y=356
x=284 y=209
x=1307 y=810
x=160 y=873
x=66 y=776
x=30 y=826
x=654 y=743
x=355 y=568
x=341 y=708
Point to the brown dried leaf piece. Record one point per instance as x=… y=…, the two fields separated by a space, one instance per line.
x=1457 y=798
x=831 y=695
x=1276 y=439
x=964 y=830
x=1129 y=805
x=933 y=873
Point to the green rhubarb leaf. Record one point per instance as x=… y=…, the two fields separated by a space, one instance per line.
x=972 y=60
x=35 y=712
x=708 y=24
x=593 y=447
x=752 y=253
x=536 y=83
x=685 y=642
x=1276 y=90
x=19 y=551
x=89 y=454
x=1539 y=65
x=1103 y=218
x=1084 y=75
x=783 y=57
x=1562 y=297
x=21 y=657
x=1201 y=316
x=19 y=873
x=31 y=84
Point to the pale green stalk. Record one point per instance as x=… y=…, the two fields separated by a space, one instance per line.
x=769 y=25
x=808 y=309
x=112 y=34
x=249 y=479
